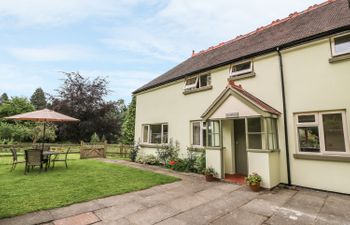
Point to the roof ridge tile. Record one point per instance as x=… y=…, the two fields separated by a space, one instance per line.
x=259 y=29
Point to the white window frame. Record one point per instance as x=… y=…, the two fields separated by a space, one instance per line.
x=236 y=73
x=333 y=45
x=198 y=81
x=149 y=136
x=202 y=128
x=319 y=124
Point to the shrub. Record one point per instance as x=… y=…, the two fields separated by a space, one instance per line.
x=210 y=171
x=168 y=151
x=94 y=138
x=147 y=159
x=133 y=152
x=200 y=163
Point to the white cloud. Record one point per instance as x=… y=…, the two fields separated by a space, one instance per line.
x=55 y=53
x=58 y=12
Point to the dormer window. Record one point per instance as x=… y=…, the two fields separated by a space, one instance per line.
x=242 y=68
x=341 y=45
x=199 y=82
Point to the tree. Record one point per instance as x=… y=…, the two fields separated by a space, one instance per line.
x=3 y=98
x=15 y=105
x=83 y=98
x=38 y=99
x=128 y=129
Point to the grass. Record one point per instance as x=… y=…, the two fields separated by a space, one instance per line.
x=84 y=180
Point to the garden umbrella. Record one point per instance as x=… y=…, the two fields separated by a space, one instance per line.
x=44 y=115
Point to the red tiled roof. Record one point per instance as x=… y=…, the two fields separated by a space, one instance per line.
x=317 y=21
x=253 y=99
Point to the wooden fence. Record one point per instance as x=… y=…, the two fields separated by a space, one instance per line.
x=112 y=150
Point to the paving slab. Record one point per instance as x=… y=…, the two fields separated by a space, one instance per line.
x=119 y=211
x=81 y=219
x=186 y=202
x=28 y=219
x=336 y=210
x=74 y=209
x=121 y=221
x=202 y=214
x=151 y=215
x=118 y=199
x=240 y=217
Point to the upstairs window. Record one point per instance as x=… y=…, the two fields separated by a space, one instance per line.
x=341 y=45
x=197 y=82
x=242 y=68
x=155 y=133
x=323 y=132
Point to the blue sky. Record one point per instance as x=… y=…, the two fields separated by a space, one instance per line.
x=128 y=41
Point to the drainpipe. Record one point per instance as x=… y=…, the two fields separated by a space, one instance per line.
x=284 y=115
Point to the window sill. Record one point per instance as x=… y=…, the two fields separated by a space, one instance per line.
x=241 y=76
x=335 y=158
x=262 y=151
x=339 y=58
x=214 y=148
x=146 y=145
x=187 y=92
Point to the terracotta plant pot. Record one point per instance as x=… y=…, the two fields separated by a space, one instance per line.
x=209 y=178
x=255 y=187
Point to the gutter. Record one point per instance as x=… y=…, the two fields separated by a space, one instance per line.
x=284 y=114
x=263 y=52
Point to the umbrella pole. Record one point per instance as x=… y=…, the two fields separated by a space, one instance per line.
x=44 y=131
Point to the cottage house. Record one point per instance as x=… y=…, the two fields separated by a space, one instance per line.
x=275 y=101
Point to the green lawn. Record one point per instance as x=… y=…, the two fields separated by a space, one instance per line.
x=84 y=180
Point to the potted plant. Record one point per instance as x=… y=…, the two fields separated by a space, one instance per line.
x=210 y=174
x=253 y=181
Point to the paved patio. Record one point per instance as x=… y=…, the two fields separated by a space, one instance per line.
x=194 y=201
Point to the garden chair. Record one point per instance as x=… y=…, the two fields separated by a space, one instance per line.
x=58 y=159
x=33 y=158
x=15 y=159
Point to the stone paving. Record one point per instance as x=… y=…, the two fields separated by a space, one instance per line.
x=194 y=201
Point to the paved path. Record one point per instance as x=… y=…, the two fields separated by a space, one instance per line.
x=194 y=201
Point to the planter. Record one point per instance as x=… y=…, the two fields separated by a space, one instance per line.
x=209 y=178
x=255 y=187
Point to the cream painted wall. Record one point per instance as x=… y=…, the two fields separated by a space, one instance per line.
x=214 y=160
x=312 y=84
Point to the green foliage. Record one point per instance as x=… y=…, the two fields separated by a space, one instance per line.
x=83 y=99
x=3 y=98
x=147 y=159
x=210 y=171
x=169 y=151
x=95 y=138
x=38 y=132
x=10 y=132
x=38 y=99
x=253 y=179
x=200 y=163
x=128 y=128
x=133 y=152
x=15 y=105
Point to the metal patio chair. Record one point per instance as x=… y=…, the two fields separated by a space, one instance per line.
x=57 y=158
x=33 y=158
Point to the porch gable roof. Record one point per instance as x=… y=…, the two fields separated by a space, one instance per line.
x=242 y=95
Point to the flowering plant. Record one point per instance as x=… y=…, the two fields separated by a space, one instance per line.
x=253 y=179
x=172 y=162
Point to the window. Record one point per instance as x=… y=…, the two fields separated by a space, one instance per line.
x=341 y=45
x=322 y=132
x=198 y=81
x=242 y=68
x=262 y=133
x=155 y=133
x=198 y=133
x=213 y=133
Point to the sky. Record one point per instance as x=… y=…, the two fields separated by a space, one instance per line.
x=128 y=41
